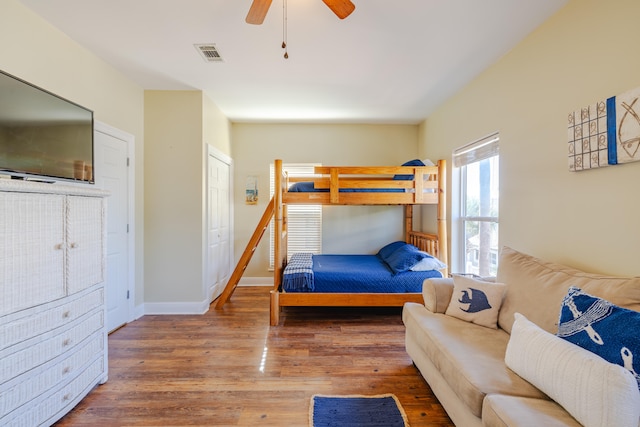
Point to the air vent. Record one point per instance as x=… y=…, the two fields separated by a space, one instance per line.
x=209 y=52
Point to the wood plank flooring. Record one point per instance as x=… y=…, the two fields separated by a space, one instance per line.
x=229 y=368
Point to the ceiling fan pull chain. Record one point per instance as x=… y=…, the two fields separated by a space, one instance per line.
x=284 y=29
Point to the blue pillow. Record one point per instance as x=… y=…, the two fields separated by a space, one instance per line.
x=388 y=249
x=414 y=162
x=405 y=257
x=597 y=325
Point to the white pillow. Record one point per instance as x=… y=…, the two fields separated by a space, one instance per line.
x=428 y=263
x=595 y=392
x=476 y=301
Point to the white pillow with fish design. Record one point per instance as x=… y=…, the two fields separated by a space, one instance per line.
x=476 y=301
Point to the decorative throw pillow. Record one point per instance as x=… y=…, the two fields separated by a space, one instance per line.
x=429 y=263
x=389 y=248
x=595 y=392
x=405 y=257
x=607 y=330
x=476 y=301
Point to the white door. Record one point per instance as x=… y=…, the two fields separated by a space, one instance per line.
x=111 y=169
x=218 y=225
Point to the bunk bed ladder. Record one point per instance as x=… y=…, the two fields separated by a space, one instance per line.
x=246 y=255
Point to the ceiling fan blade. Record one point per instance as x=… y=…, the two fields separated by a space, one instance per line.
x=342 y=8
x=258 y=11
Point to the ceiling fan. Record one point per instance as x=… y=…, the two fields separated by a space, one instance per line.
x=259 y=8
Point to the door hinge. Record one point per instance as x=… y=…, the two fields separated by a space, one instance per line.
x=127 y=228
x=127 y=294
x=127 y=162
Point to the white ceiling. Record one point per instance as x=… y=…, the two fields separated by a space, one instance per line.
x=391 y=61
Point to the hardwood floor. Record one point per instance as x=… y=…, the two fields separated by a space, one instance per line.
x=229 y=368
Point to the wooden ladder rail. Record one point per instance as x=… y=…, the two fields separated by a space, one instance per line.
x=246 y=255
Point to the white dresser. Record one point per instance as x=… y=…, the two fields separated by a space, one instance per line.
x=53 y=338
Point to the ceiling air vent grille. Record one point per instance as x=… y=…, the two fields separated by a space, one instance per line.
x=209 y=52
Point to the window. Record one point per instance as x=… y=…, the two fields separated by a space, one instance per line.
x=304 y=221
x=475 y=233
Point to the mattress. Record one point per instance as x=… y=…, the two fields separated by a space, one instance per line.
x=308 y=187
x=362 y=274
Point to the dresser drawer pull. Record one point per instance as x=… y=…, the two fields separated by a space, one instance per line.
x=74 y=245
x=66 y=314
x=66 y=342
x=67 y=397
x=59 y=246
x=66 y=370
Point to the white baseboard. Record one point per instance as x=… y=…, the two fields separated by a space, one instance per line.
x=193 y=307
x=176 y=307
x=256 y=281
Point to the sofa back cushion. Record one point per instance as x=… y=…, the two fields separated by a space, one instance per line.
x=536 y=288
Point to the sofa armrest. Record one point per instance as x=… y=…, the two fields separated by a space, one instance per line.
x=437 y=294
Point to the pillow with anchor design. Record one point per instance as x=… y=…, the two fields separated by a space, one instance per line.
x=601 y=327
x=476 y=301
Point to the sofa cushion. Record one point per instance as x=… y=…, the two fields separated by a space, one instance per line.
x=603 y=328
x=597 y=393
x=499 y=410
x=469 y=356
x=476 y=301
x=535 y=288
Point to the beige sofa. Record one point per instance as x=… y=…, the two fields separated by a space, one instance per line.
x=464 y=363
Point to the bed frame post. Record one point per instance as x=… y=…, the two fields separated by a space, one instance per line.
x=274 y=308
x=408 y=222
x=280 y=241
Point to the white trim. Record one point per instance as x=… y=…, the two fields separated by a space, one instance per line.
x=457 y=233
x=256 y=281
x=151 y=308
x=138 y=312
x=131 y=214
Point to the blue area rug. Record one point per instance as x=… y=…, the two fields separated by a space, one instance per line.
x=356 y=411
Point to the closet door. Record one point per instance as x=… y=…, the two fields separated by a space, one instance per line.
x=31 y=240
x=218 y=226
x=85 y=242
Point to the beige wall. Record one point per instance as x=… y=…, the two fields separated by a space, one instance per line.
x=345 y=229
x=585 y=53
x=37 y=52
x=175 y=191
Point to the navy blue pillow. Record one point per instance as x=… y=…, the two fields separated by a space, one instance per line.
x=414 y=162
x=405 y=257
x=388 y=249
x=607 y=330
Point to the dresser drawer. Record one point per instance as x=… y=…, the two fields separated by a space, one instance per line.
x=31 y=323
x=50 y=407
x=29 y=354
x=32 y=384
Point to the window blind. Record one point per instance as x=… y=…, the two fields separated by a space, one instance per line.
x=304 y=221
x=478 y=150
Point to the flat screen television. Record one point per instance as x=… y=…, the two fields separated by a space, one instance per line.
x=43 y=136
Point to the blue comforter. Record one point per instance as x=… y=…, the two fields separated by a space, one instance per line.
x=360 y=274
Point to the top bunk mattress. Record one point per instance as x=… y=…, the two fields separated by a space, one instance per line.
x=309 y=187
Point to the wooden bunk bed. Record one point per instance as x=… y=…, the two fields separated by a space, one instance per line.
x=354 y=185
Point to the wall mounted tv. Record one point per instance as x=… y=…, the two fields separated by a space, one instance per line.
x=43 y=136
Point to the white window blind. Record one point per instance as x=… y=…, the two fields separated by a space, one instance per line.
x=304 y=221
x=481 y=149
